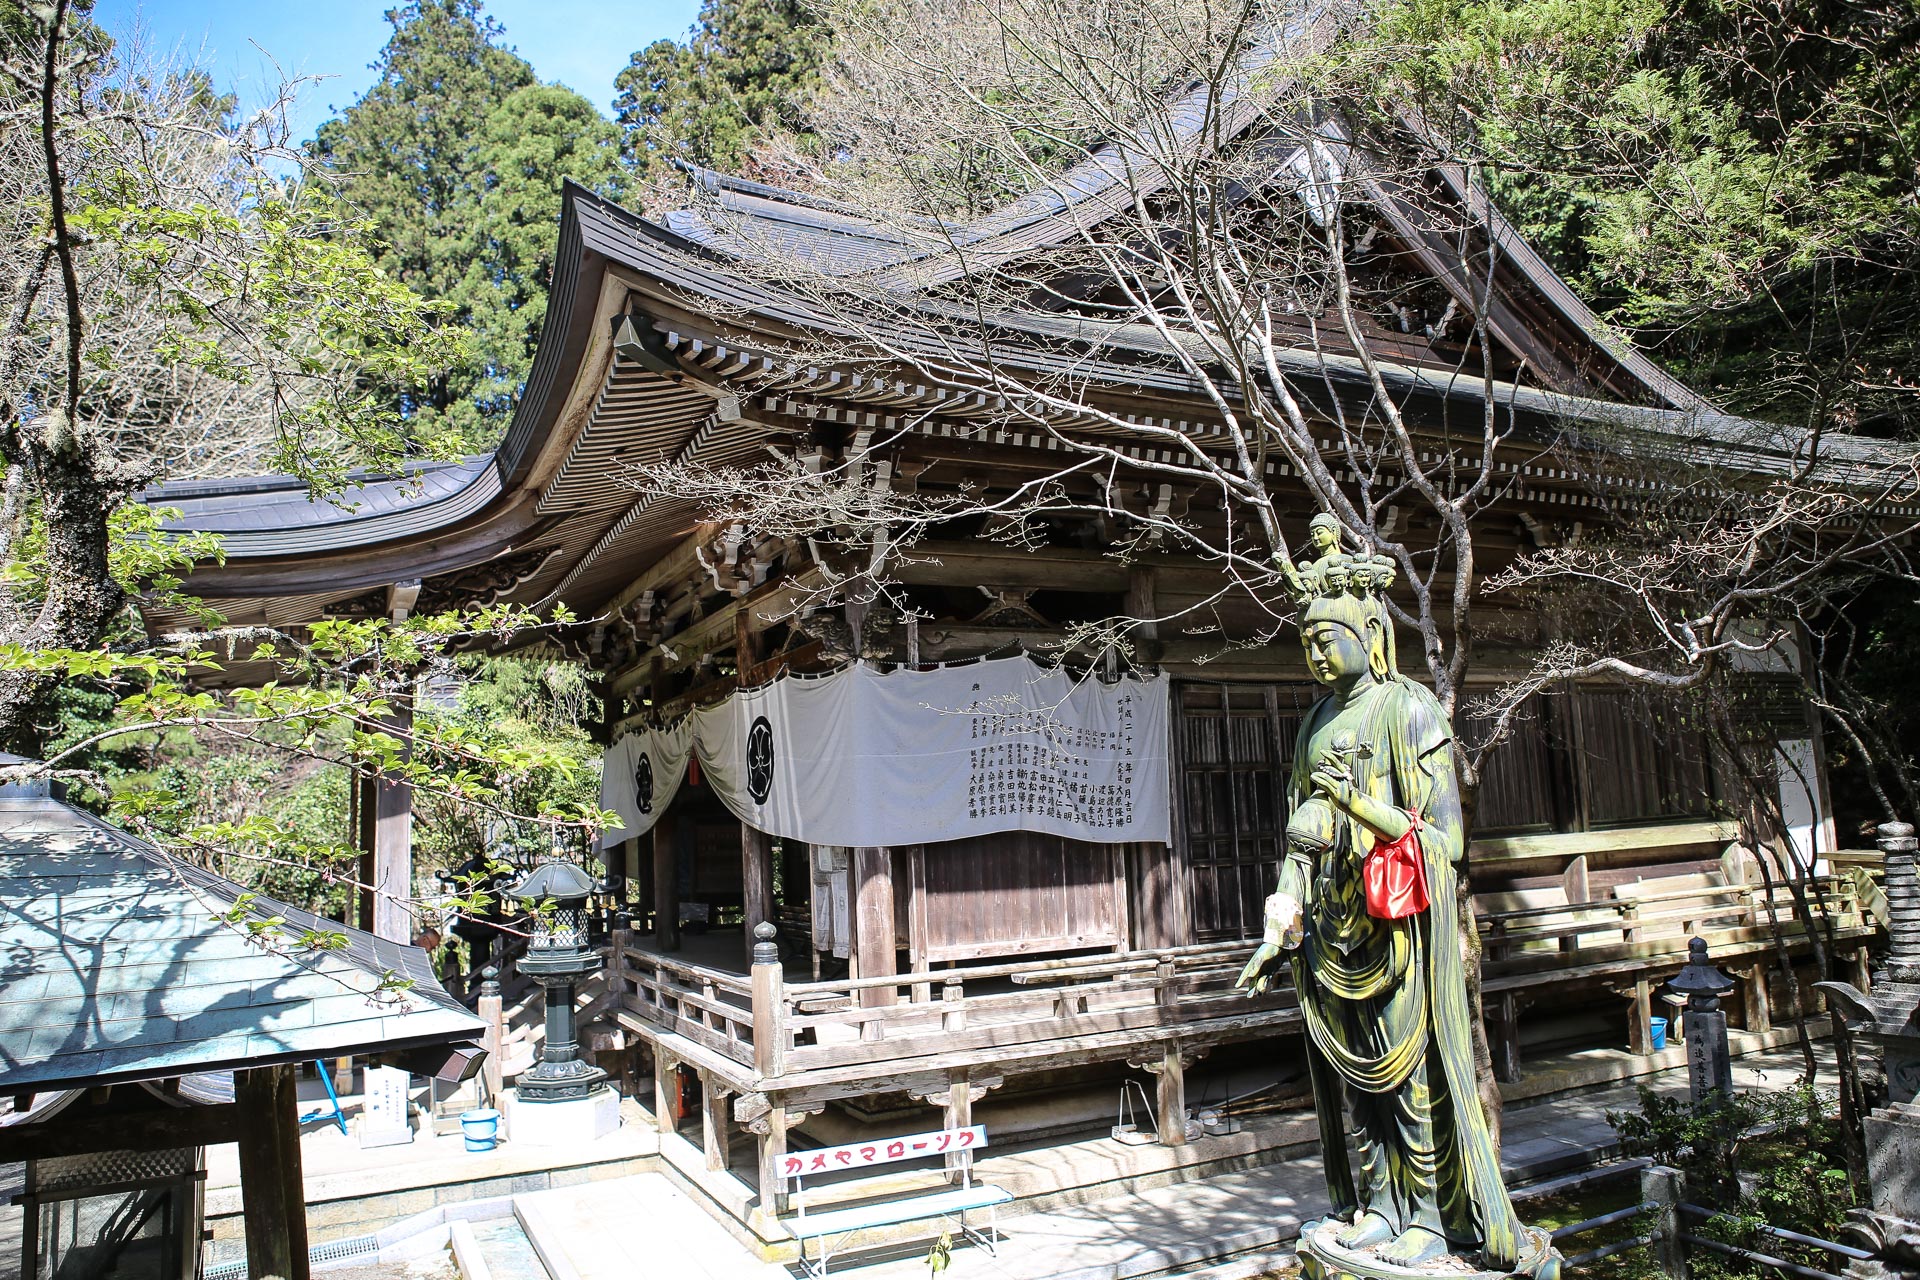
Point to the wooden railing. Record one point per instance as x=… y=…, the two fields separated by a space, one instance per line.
x=774 y=1028
x=999 y=1006
x=711 y=1007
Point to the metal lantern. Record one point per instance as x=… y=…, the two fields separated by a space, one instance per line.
x=558 y=957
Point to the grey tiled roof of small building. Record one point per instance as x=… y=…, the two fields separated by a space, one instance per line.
x=116 y=964
x=284 y=504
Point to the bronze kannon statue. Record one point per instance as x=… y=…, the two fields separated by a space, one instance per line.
x=1365 y=912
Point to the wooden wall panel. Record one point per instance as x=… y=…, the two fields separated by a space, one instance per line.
x=1235 y=752
x=1018 y=893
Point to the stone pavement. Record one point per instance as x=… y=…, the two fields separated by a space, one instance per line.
x=643 y=1226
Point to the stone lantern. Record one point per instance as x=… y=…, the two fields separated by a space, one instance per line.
x=1709 y=1062
x=564 y=1098
x=1883 y=1029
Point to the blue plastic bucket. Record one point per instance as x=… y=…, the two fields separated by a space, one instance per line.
x=481 y=1128
x=1659 y=1026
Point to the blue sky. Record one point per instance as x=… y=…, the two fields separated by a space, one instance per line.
x=582 y=44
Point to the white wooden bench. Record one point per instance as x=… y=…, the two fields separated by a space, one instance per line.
x=831 y=1229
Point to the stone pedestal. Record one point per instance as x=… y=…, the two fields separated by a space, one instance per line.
x=1323 y=1258
x=566 y=1123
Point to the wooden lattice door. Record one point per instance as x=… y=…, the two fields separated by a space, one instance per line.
x=1235 y=746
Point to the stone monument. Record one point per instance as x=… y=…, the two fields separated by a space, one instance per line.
x=1365 y=915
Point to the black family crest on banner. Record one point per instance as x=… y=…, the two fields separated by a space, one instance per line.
x=643 y=782
x=760 y=760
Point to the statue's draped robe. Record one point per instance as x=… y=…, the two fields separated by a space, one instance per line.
x=1385 y=1001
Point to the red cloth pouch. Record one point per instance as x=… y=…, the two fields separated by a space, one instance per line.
x=1394 y=877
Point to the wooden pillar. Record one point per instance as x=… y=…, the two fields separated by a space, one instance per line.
x=1756 y=1002
x=666 y=881
x=1640 y=1018
x=756 y=880
x=713 y=1121
x=666 y=1092
x=393 y=846
x=363 y=828
x=873 y=930
x=1171 y=1103
x=771 y=1131
x=273 y=1193
x=490 y=1009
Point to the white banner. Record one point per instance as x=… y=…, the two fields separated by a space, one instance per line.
x=913 y=757
x=640 y=775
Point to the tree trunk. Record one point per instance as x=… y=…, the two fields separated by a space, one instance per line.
x=82 y=600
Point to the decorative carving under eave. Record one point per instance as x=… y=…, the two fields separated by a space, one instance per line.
x=1155 y=1061
x=976 y=1088
x=829 y=626
x=734 y=560
x=482 y=584
x=368 y=604
x=876 y=631
x=1009 y=609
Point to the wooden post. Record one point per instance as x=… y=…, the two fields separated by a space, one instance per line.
x=666 y=882
x=363 y=828
x=1756 y=1005
x=273 y=1192
x=393 y=846
x=756 y=880
x=1862 y=972
x=1506 y=1038
x=873 y=930
x=769 y=1001
x=1171 y=1104
x=1574 y=881
x=1640 y=1019
x=666 y=1092
x=490 y=1009
x=771 y=1130
x=713 y=1121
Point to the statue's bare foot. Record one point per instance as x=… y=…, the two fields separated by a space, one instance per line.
x=1414 y=1246
x=1367 y=1230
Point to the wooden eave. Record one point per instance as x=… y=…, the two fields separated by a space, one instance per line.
x=554 y=482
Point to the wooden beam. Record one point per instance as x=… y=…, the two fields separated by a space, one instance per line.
x=666 y=881
x=772 y=1132
x=666 y=1092
x=1171 y=1100
x=756 y=881
x=713 y=1122
x=392 y=839
x=272 y=1190
x=970 y=564
x=363 y=828
x=874 y=935
x=74 y=1132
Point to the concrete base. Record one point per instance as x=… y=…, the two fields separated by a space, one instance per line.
x=560 y=1124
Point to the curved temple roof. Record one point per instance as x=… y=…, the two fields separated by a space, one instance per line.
x=697 y=375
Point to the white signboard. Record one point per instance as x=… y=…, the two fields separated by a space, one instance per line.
x=384 y=1121
x=913 y=757
x=861 y=1155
